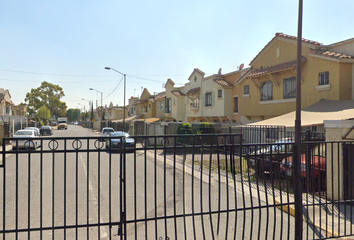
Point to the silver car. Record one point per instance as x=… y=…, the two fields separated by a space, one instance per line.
x=114 y=141
x=27 y=143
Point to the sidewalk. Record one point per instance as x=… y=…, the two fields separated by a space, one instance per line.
x=331 y=220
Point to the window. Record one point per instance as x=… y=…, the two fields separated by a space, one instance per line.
x=145 y=109
x=174 y=101
x=220 y=93
x=209 y=99
x=235 y=104
x=195 y=103
x=168 y=105
x=323 y=78
x=162 y=106
x=121 y=115
x=246 y=89
x=289 y=87
x=149 y=106
x=267 y=91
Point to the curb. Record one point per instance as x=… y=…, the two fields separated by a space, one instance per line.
x=290 y=208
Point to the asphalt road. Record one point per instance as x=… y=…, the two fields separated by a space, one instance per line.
x=83 y=189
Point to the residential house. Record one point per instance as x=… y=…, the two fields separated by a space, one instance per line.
x=114 y=112
x=19 y=110
x=131 y=107
x=237 y=93
x=146 y=106
x=6 y=105
x=208 y=98
x=174 y=103
x=160 y=105
x=269 y=86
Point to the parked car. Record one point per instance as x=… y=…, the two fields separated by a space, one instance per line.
x=106 y=131
x=46 y=130
x=35 y=129
x=114 y=141
x=316 y=168
x=28 y=143
x=268 y=157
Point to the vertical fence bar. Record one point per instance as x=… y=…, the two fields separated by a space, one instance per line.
x=201 y=186
x=210 y=193
x=29 y=196
x=88 y=191
x=174 y=188
x=99 y=192
x=4 y=190
x=16 y=213
x=53 y=189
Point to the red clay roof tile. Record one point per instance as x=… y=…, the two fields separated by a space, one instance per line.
x=223 y=83
x=177 y=93
x=331 y=54
x=193 y=90
x=275 y=68
x=282 y=35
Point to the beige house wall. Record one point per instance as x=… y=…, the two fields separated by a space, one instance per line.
x=195 y=81
x=169 y=95
x=160 y=108
x=282 y=51
x=237 y=91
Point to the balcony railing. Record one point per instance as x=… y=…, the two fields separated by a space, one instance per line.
x=194 y=105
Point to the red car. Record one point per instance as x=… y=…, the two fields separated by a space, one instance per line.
x=317 y=168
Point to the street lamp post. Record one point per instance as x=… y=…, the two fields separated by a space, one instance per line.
x=109 y=68
x=101 y=105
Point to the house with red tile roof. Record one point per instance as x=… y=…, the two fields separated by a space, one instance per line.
x=270 y=83
x=114 y=112
x=174 y=102
x=208 y=98
x=145 y=107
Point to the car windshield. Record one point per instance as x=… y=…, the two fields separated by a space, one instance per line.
x=45 y=127
x=119 y=134
x=26 y=133
x=278 y=146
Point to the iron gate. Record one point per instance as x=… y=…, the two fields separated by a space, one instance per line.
x=173 y=187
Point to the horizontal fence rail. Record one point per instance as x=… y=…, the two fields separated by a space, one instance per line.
x=188 y=186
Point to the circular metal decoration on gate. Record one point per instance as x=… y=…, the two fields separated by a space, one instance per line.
x=29 y=144
x=165 y=142
x=99 y=144
x=225 y=140
x=77 y=144
x=53 y=144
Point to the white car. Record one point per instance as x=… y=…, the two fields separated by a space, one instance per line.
x=28 y=143
x=35 y=129
x=106 y=132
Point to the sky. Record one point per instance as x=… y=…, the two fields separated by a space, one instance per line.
x=69 y=43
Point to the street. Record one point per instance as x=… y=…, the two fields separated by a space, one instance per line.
x=78 y=195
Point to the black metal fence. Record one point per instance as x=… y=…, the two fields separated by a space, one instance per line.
x=172 y=187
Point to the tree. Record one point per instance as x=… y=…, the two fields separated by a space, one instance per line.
x=44 y=113
x=73 y=114
x=47 y=95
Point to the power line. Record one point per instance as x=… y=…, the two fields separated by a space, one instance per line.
x=53 y=74
x=114 y=88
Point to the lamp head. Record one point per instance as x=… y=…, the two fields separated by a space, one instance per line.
x=107 y=68
x=91 y=88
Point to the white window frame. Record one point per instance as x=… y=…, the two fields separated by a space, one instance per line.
x=267 y=91
x=289 y=88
